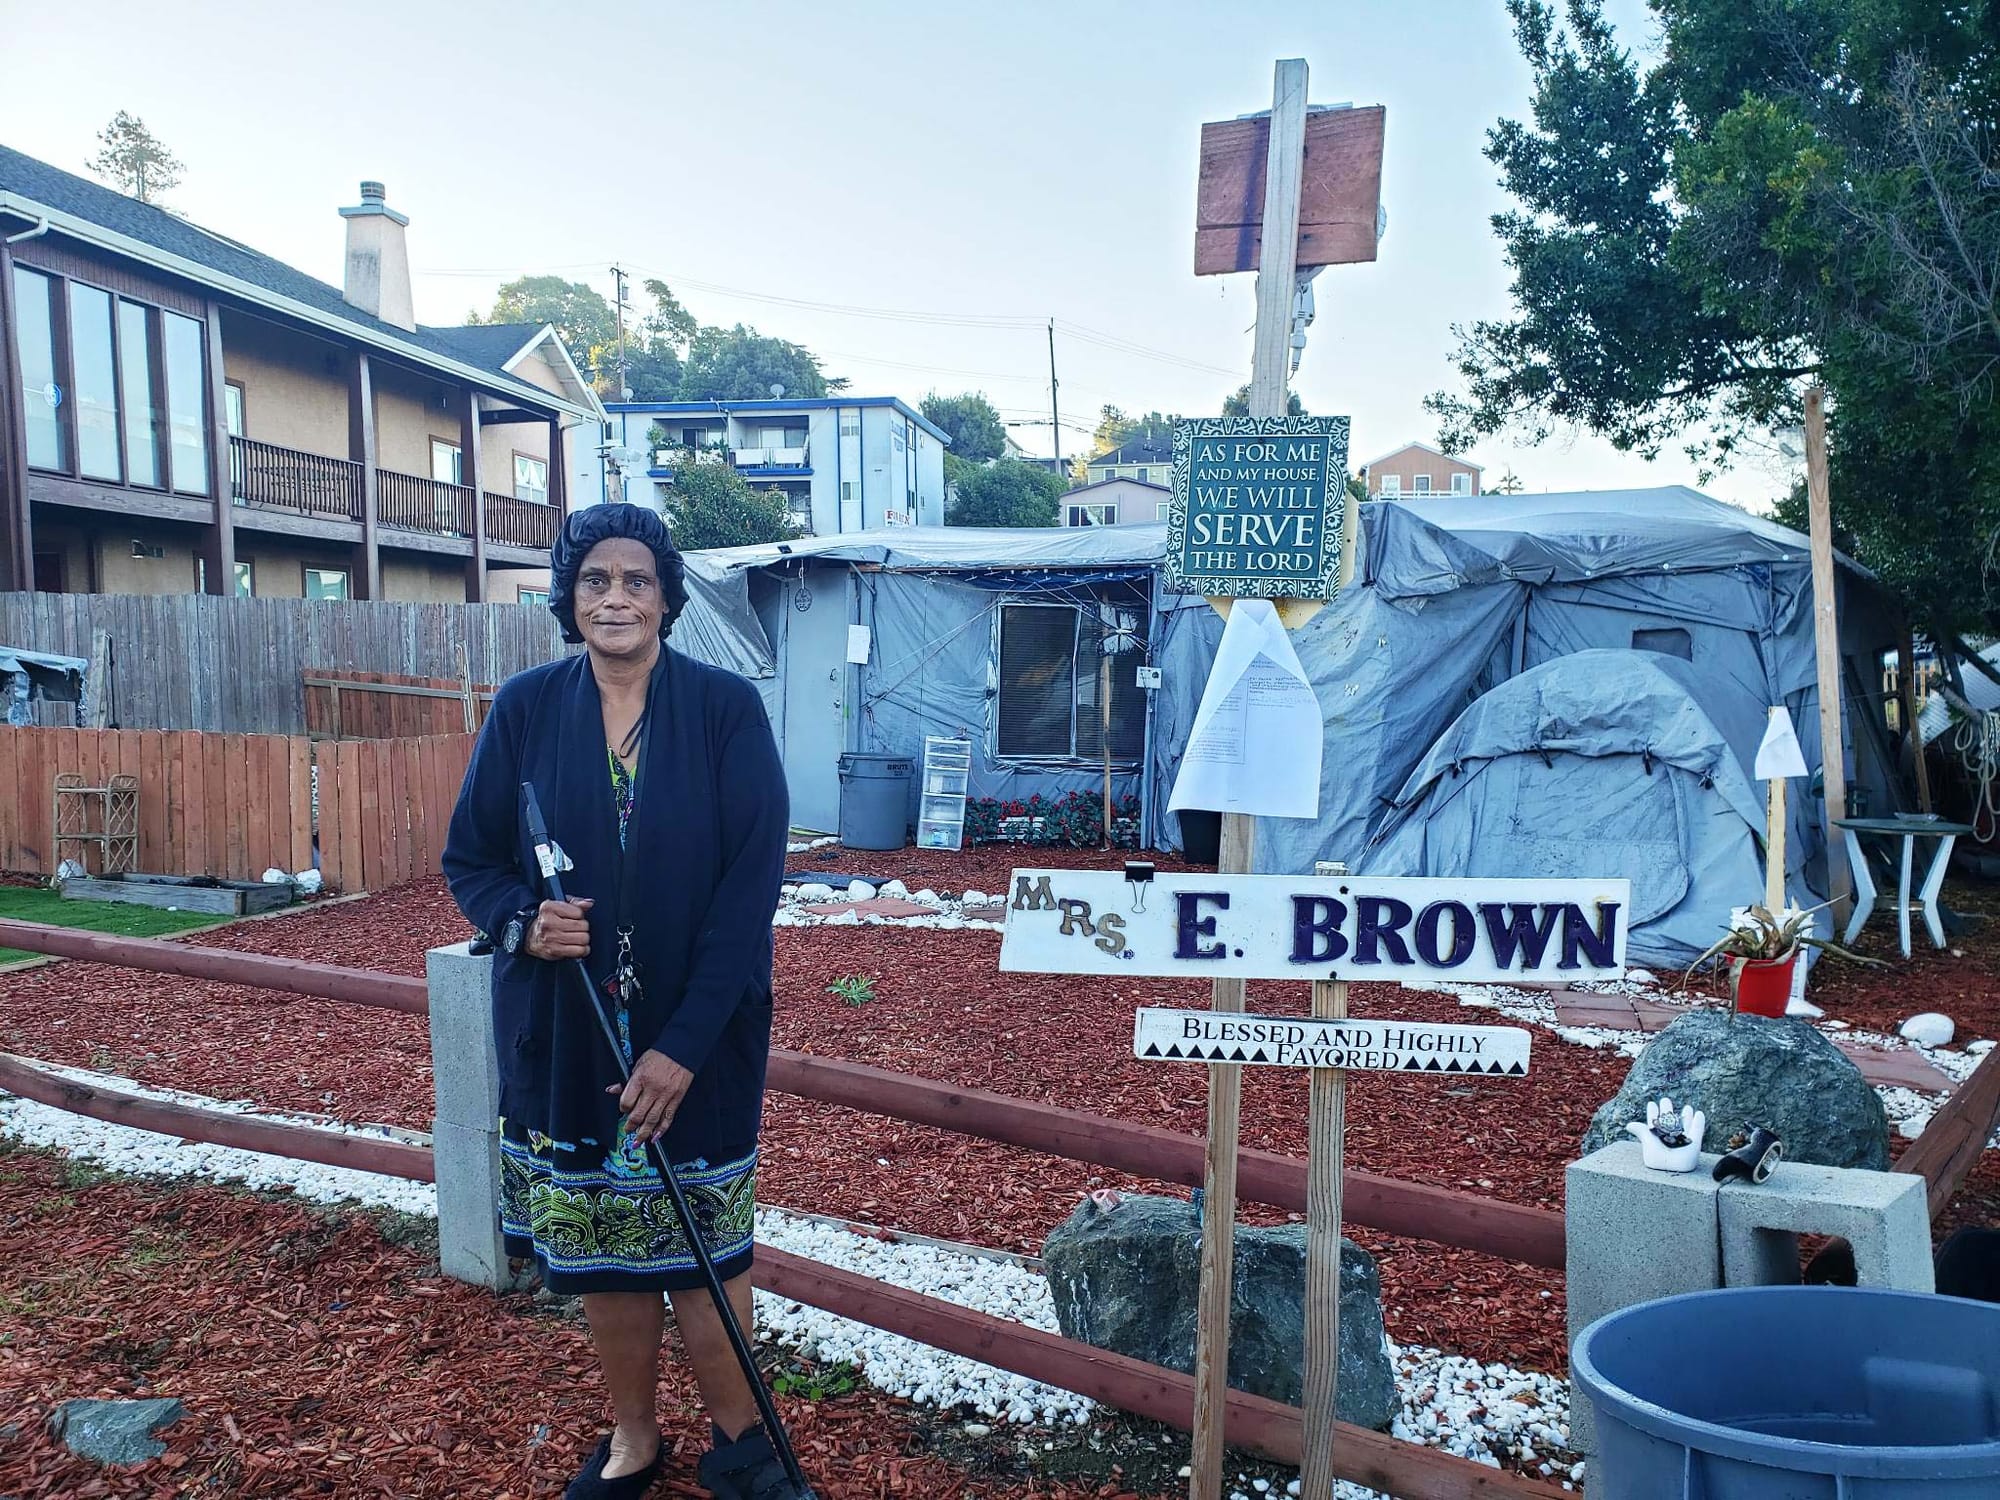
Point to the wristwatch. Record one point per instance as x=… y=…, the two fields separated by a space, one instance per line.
x=514 y=936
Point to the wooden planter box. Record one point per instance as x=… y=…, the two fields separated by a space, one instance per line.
x=227 y=898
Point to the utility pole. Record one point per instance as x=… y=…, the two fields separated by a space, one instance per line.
x=619 y=273
x=1055 y=416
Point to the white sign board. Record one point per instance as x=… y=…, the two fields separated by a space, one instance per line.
x=1257 y=736
x=1779 y=755
x=1303 y=1042
x=1315 y=926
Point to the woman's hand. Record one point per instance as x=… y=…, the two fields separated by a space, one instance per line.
x=561 y=929
x=649 y=1101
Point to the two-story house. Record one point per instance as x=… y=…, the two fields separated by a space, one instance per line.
x=1418 y=469
x=182 y=413
x=1117 y=502
x=1147 y=457
x=842 y=463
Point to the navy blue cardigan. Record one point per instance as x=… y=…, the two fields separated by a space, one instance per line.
x=705 y=854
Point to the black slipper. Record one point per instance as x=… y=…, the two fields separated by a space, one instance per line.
x=747 y=1469
x=590 y=1483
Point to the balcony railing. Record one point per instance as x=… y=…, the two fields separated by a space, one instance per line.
x=304 y=483
x=307 y=484
x=410 y=503
x=520 y=523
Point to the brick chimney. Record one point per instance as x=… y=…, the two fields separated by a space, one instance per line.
x=378 y=259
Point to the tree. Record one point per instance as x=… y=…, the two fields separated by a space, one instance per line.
x=1006 y=492
x=581 y=314
x=741 y=364
x=1237 y=403
x=1113 y=428
x=1509 y=483
x=1796 y=189
x=133 y=160
x=668 y=322
x=975 y=427
x=710 y=505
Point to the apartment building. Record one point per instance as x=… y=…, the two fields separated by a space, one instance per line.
x=180 y=412
x=842 y=463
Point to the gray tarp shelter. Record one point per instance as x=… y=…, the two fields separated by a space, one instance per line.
x=1689 y=610
x=26 y=676
x=1628 y=608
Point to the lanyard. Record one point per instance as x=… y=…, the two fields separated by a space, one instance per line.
x=625 y=985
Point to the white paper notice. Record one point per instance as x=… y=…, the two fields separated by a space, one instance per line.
x=1779 y=755
x=859 y=639
x=1258 y=734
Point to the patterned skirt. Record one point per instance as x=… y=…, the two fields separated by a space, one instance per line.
x=600 y=1221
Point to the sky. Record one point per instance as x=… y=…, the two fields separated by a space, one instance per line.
x=910 y=191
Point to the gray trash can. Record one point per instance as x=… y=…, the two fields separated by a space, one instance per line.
x=875 y=800
x=1794 y=1393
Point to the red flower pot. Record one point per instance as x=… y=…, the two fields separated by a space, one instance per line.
x=1763 y=985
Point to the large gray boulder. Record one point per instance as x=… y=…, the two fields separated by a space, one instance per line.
x=1742 y=1071
x=1126 y=1279
x=114 y=1432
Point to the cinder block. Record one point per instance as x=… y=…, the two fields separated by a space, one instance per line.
x=1885 y=1216
x=465 y=1138
x=1633 y=1235
x=465 y=1071
x=470 y=1247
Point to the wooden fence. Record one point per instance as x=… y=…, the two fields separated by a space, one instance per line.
x=200 y=661
x=235 y=805
x=384 y=706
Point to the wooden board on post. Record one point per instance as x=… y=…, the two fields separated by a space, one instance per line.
x=1826 y=650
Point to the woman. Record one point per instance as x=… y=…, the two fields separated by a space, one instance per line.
x=661 y=783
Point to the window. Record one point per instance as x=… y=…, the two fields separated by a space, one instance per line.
x=1050 y=668
x=447 y=463
x=1420 y=484
x=246 y=581
x=538 y=598
x=1093 y=515
x=325 y=583
x=1392 y=484
x=42 y=395
x=1142 y=475
x=141 y=395
x=1461 y=484
x=232 y=407
x=1162 y=510
x=94 y=384
x=1671 y=642
x=187 y=373
x=531 y=479
x=850 y=427
x=846 y=491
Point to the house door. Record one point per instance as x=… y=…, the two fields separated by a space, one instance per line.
x=48 y=573
x=815 y=668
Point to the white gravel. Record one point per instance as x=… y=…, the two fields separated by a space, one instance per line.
x=946 y=912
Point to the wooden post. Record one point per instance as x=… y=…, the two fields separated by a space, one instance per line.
x=1774 y=842
x=1104 y=711
x=1906 y=695
x=17 y=541
x=465 y=689
x=99 y=683
x=468 y=473
x=361 y=449
x=1326 y=1143
x=1270 y=361
x=1826 y=641
x=218 y=548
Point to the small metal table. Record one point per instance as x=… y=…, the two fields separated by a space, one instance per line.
x=1906 y=830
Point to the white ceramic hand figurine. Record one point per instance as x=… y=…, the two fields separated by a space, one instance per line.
x=1670 y=1140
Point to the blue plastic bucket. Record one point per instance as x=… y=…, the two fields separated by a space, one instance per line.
x=1794 y=1393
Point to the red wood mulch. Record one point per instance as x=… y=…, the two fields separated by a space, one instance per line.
x=982 y=867
x=316 y=1358
x=1958 y=979
x=942 y=1011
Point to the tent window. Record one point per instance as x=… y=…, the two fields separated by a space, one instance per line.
x=1667 y=642
x=1050 y=661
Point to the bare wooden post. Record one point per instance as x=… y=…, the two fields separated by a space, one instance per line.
x=1276 y=273
x=465 y=690
x=1104 y=713
x=99 y=689
x=1826 y=641
x=1326 y=1143
x=1774 y=841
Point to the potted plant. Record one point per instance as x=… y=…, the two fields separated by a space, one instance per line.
x=1762 y=949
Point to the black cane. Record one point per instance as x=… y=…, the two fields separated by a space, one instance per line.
x=545 y=860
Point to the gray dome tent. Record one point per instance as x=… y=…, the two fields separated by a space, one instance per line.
x=1602 y=762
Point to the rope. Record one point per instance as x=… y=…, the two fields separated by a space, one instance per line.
x=1976 y=739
